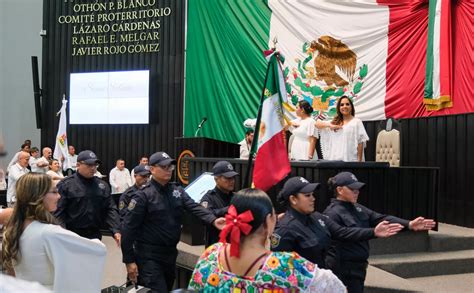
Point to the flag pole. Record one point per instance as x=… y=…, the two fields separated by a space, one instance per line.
x=247 y=182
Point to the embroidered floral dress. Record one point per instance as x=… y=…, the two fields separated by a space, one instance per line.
x=342 y=144
x=281 y=272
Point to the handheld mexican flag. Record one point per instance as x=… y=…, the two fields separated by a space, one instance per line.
x=271 y=162
x=60 y=149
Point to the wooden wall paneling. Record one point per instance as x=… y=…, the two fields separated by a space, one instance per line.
x=166 y=84
x=451 y=164
x=459 y=156
x=422 y=136
x=441 y=161
x=469 y=173
x=391 y=201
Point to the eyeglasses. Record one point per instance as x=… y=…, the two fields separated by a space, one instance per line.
x=90 y=165
x=167 y=168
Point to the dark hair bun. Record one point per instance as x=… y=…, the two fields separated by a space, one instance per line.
x=305 y=106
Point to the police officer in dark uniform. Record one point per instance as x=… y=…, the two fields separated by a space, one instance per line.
x=218 y=199
x=86 y=203
x=309 y=233
x=141 y=174
x=152 y=226
x=348 y=260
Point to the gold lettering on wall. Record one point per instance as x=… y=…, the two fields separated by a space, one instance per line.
x=114 y=27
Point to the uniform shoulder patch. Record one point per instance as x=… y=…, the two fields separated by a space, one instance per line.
x=275 y=240
x=132 y=204
x=321 y=222
x=121 y=205
x=177 y=193
x=205 y=204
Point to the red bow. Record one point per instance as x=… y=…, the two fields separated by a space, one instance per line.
x=234 y=225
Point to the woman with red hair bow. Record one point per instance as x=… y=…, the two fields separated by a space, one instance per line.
x=243 y=260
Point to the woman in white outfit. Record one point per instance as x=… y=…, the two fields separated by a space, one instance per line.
x=304 y=133
x=55 y=171
x=36 y=249
x=344 y=138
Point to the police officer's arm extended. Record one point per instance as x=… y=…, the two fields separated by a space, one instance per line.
x=218 y=212
x=202 y=213
x=383 y=229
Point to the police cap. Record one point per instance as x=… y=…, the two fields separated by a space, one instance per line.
x=296 y=185
x=348 y=179
x=88 y=157
x=162 y=159
x=141 y=170
x=224 y=168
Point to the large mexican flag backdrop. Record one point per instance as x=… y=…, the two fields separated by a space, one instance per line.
x=401 y=59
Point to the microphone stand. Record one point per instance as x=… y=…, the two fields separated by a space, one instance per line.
x=197 y=130
x=200 y=126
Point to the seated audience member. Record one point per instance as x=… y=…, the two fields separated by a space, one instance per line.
x=16 y=171
x=308 y=232
x=34 y=156
x=55 y=171
x=247 y=263
x=344 y=138
x=143 y=162
x=348 y=260
x=36 y=249
x=24 y=148
x=218 y=199
x=246 y=144
x=69 y=166
x=119 y=177
x=43 y=162
x=27 y=142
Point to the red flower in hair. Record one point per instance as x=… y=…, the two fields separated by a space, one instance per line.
x=235 y=224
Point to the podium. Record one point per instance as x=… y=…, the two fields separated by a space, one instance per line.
x=201 y=147
x=189 y=147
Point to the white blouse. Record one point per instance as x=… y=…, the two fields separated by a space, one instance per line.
x=59 y=259
x=300 y=146
x=342 y=144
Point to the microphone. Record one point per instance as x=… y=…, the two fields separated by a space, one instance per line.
x=204 y=119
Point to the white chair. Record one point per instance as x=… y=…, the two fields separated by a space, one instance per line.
x=388 y=145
